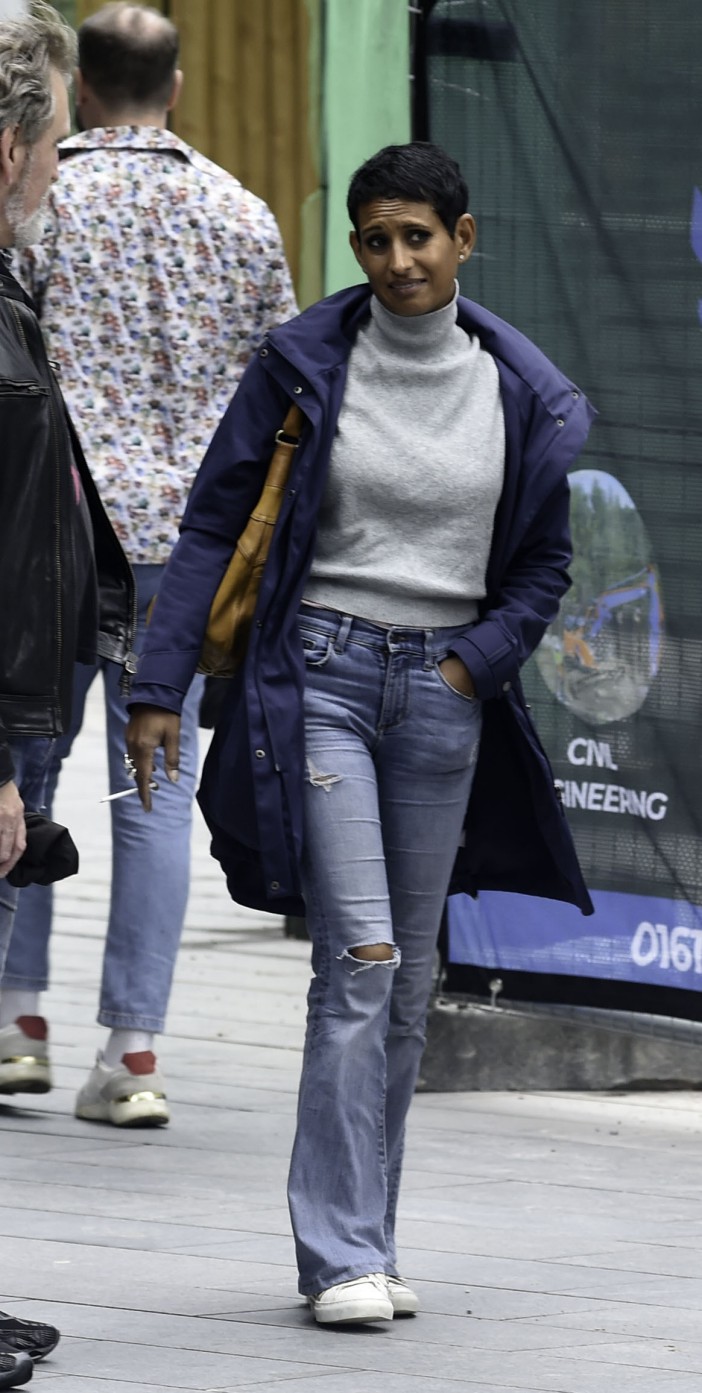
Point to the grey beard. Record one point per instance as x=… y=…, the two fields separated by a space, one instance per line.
x=26 y=228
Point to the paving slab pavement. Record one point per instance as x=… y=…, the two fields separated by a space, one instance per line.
x=555 y=1240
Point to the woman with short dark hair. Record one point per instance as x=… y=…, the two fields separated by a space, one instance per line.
x=376 y=749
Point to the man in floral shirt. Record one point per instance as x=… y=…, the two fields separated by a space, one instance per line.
x=158 y=276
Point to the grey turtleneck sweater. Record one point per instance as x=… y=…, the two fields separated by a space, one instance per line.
x=415 y=475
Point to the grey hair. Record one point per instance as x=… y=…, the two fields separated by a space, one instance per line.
x=29 y=48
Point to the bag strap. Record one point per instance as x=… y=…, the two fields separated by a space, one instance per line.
x=292 y=427
x=287 y=440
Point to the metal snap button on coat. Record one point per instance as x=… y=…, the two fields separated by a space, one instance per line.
x=575 y=395
x=297 y=391
x=560 y=421
x=264 y=353
x=260 y=754
x=275 y=885
x=506 y=686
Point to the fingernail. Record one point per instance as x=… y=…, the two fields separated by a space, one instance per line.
x=174 y=775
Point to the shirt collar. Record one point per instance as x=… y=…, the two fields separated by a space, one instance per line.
x=127 y=138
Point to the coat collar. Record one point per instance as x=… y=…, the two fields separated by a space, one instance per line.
x=9 y=285
x=322 y=337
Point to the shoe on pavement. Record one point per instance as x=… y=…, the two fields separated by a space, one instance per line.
x=24 y=1057
x=405 y=1302
x=15 y=1369
x=30 y=1337
x=131 y=1095
x=363 y=1299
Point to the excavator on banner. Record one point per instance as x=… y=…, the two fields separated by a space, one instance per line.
x=619 y=636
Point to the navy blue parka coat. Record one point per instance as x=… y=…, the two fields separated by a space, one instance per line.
x=516 y=836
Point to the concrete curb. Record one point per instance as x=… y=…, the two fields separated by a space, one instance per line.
x=472 y=1046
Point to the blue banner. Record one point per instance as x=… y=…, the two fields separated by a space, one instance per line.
x=630 y=938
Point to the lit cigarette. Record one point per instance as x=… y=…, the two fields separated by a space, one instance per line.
x=125 y=792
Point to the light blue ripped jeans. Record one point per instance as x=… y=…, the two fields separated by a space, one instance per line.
x=150 y=860
x=391 y=751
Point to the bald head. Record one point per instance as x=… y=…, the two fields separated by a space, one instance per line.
x=128 y=56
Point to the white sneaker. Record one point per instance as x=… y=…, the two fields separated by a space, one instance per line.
x=24 y=1059
x=405 y=1302
x=363 y=1299
x=130 y=1095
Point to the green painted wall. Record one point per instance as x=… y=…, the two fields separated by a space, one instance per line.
x=366 y=104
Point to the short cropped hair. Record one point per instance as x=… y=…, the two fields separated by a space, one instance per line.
x=128 y=54
x=419 y=173
x=29 y=48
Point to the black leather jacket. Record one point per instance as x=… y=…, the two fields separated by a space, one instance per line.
x=48 y=578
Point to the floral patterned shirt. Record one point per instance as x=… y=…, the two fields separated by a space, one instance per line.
x=156 y=279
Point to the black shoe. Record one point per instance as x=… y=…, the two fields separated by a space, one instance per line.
x=15 y=1369
x=26 y=1337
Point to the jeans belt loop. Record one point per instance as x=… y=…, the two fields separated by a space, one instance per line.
x=343 y=633
x=428 y=649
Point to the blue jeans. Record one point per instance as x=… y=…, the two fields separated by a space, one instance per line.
x=391 y=751
x=150 y=862
x=30 y=756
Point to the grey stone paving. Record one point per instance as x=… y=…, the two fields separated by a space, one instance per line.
x=554 y=1239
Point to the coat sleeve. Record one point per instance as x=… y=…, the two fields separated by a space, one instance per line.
x=7 y=768
x=526 y=603
x=524 y=596
x=225 y=491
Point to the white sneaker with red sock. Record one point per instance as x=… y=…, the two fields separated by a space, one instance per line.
x=129 y=1094
x=24 y=1056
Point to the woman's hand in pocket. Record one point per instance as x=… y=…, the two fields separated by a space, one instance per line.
x=456 y=674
